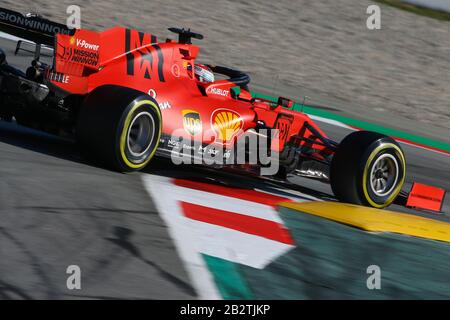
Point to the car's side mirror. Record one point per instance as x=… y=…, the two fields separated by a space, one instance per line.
x=285 y=102
x=239 y=93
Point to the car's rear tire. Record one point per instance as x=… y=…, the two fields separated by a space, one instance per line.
x=368 y=169
x=119 y=127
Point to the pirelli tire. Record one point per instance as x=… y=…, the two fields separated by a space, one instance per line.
x=119 y=127
x=368 y=169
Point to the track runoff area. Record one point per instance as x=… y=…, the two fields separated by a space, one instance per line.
x=242 y=240
x=247 y=239
x=239 y=241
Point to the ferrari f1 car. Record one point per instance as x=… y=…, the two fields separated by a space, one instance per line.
x=121 y=94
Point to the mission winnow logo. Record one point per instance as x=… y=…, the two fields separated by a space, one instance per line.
x=35 y=24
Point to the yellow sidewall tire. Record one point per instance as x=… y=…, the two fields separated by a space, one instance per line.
x=103 y=123
x=398 y=188
x=351 y=169
x=124 y=133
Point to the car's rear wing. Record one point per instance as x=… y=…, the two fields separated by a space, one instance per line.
x=31 y=27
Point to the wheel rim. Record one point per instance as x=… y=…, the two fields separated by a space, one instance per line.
x=141 y=133
x=384 y=175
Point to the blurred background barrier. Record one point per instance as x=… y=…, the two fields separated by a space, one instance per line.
x=396 y=75
x=432 y=4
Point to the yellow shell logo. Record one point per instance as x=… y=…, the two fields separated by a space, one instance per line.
x=72 y=41
x=226 y=124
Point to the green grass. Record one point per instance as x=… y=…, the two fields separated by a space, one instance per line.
x=365 y=125
x=436 y=14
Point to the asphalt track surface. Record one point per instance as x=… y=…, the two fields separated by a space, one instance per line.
x=56 y=210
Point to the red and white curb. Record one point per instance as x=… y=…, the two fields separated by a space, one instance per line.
x=238 y=225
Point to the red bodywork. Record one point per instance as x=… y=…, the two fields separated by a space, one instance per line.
x=425 y=197
x=133 y=59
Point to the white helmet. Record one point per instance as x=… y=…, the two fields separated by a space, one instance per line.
x=203 y=73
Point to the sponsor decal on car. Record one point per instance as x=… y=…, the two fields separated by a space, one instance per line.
x=81 y=56
x=213 y=151
x=173 y=143
x=162 y=105
x=84 y=57
x=140 y=62
x=219 y=92
x=32 y=23
x=283 y=126
x=84 y=44
x=226 y=125
x=192 y=122
x=58 y=77
x=165 y=105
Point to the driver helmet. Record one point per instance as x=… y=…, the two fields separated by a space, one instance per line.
x=203 y=73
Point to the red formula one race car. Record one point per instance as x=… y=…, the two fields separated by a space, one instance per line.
x=125 y=96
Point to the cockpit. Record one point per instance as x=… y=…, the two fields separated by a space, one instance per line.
x=212 y=80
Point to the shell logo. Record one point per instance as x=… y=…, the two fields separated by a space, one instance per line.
x=226 y=124
x=72 y=41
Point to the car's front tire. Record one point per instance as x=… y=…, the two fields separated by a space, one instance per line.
x=119 y=127
x=368 y=169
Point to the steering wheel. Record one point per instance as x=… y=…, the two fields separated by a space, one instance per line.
x=185 y=36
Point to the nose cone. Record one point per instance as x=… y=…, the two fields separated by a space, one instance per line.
x=2 y=57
